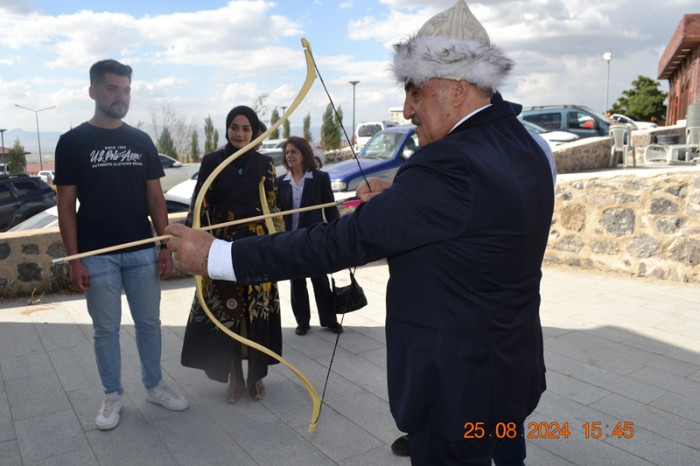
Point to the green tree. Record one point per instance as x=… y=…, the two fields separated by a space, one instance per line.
x=339 y=124
x=307 y=128
x=211 y=136
x=18 y=162
x=274 y=118
x=165 y=143
x=643 y=101
x=286 y=129
x=260 y=106
x=330 y=130
x=194 y=146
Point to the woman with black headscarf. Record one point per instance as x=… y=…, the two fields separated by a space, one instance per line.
x=250 y=311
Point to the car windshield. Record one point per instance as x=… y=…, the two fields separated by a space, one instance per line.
x=533 y=127
x=382 y=146
x=46 y=218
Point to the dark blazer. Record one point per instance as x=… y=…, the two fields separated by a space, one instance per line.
x=464 y=229
x=317 y=190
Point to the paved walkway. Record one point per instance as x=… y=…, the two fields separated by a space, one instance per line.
x=617 y=349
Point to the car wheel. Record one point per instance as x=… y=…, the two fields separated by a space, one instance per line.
x=319 y=164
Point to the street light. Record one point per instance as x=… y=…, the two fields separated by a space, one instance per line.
x=38 y=139
x=4 y=151
x=607 y=56
x=354 y=83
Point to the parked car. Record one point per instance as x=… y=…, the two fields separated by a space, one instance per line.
x=175 y=171
x=178 y=197
x=44 y=219
x=365 y=130
x=553 y=138
x=270 y=144
x=381 y=157
x=21 y=197
x=47 y=176
x=633 y=122
x=576 y=119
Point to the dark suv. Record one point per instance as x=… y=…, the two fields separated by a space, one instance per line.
x=575 y=119
x=22 y=196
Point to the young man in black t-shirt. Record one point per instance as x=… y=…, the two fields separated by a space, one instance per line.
x=113 y=170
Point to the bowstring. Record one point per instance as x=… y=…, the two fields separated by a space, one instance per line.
x=364 y=177
x=340 y=120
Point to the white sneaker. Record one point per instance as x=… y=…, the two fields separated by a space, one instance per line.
x=108 y=416
x=166 y=397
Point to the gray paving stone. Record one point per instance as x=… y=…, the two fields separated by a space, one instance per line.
x=36 y=396
x=50 y=435
x=574 y=389
x=132 y=442
x=76 y=367
x=193 y=439
x=341 y=438
x=291 y=447
x=27 y=365
x=684 y=386
x=365 y=409
x=377 y=456
x=681 y=434
x=9 y=453
x=18 y=340
x=74 y=458
x=7 y=427
x=616 y=348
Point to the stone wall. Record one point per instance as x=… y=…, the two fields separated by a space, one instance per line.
x=25 y=262
x=644 y=223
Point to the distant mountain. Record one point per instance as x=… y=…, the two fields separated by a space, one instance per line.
x=29 y=140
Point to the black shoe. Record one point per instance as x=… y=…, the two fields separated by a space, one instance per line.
x=336 y=328
x=400 y=446
x=302 y=329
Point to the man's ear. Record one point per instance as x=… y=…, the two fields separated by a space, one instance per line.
x=91 y=92
x=460 y=92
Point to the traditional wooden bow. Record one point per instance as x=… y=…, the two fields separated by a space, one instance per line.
x=310 y=77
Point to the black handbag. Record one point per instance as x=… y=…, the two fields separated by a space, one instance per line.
x=348 y=298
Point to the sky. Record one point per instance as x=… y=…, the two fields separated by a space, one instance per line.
x=194 y=59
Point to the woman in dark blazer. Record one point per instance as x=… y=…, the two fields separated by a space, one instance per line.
x=304 y=186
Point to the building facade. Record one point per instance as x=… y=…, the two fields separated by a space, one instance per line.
x=680 y=64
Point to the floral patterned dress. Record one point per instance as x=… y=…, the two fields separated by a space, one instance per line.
x=250 y=311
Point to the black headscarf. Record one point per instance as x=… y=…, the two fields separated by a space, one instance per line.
x=247 y=112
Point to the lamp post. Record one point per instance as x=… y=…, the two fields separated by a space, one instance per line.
x=354 y=83
x=38 y=139
x=607 y=56
x=4 y=151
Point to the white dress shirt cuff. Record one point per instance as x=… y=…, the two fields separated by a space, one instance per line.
x=220 y=263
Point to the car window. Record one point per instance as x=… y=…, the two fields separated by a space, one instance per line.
x=580 y=120
x=5 y=194
x=547 y=120
x=25 y=187
x=368 y=130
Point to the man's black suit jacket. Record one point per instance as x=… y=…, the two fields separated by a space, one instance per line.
x=464 y=229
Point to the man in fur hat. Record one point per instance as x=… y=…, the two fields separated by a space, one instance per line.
x=463 y=228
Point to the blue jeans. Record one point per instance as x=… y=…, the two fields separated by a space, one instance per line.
x=137 y=273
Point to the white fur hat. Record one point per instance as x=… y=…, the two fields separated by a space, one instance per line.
x=451 y=45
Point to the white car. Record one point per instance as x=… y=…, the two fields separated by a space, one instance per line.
x=634 y=124
x=178 y=197
x=553 y=138
x=176 y=171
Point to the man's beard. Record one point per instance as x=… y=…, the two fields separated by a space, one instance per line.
x=113 y=112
